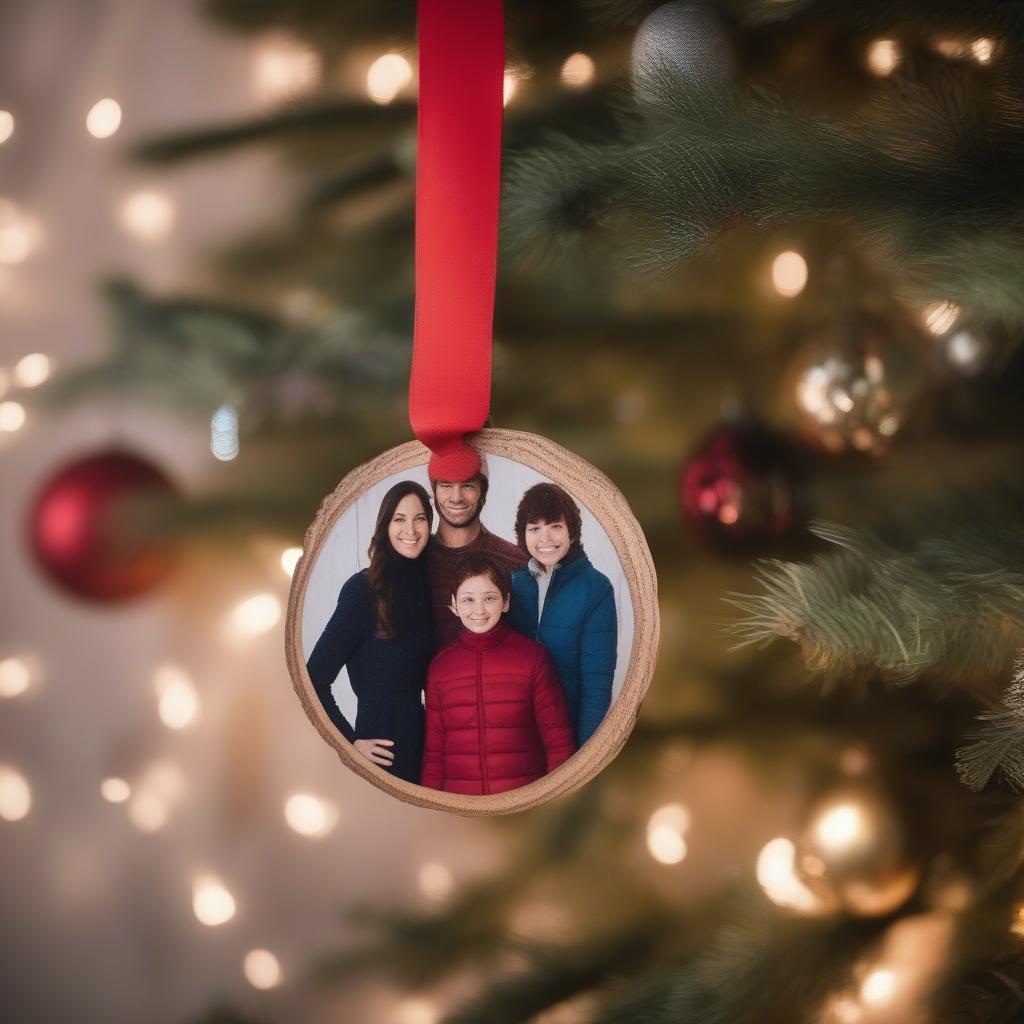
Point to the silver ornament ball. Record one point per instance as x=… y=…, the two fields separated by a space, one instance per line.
x=687 y=40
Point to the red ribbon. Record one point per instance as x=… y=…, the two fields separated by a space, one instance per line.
x=458 y=179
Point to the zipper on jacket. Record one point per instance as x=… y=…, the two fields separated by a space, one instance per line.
x=480 y=712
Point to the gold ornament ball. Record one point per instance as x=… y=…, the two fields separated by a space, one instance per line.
x=852 y=853
x=853 y=382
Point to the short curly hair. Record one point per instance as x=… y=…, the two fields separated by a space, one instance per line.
x=547 y=503
x=472 y=565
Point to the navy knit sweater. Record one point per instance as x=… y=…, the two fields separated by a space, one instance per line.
x=387 y=675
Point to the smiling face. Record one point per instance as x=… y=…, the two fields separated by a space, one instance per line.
x=409 y=528
x=458 y=504
x=479 y=603
x=548 y=542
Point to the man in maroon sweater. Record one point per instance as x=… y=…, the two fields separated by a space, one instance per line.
x=460 y=533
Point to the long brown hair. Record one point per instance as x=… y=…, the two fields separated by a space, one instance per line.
x=384 y=559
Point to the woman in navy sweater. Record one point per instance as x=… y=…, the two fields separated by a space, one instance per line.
x=382 y=631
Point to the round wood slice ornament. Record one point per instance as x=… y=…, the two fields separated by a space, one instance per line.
x=493 y=731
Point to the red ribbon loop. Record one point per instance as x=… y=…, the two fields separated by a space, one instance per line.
x=458 y=180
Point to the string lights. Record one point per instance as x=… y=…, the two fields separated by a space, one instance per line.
x=665 y=831
x=15 y=794
x=15 y=677
x=284 y=68
x=776 y=874
x=310 y=816
x=511 y=84
x=115 y=790
x=147 y=215
x=32 y=370
x=12 y=417
x=262 y=969
x=161 y=786
x=290 y=559
x=417 y=1011
x=578 y=71
x=212 y=904
x=103 y=119
x=789 y=273
x=883 y=57
x=178 y=701
x=256 y=614
x=19 y=233
x=435 y=881
x=387 y=77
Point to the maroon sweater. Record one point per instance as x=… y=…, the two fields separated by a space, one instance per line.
x=496 y=715
x=442 y=563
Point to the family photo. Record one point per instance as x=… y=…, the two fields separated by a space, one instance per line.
x=470 y=636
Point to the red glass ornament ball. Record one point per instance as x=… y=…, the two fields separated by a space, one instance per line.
x=92 y=528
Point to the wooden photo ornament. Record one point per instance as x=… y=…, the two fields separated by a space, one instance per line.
x=335 y=552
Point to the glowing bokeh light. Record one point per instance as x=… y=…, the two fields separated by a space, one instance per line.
x=387 y=77
x=103 y=119
x=789 y=273
x=290 y=559
x=147 y=215
x=310 y=815
x=262 y=969
x=283 y=68
x=777 y=876
x=19 y=234
x=32 y=370
x=417 y=1011
x=115 y=790
x=940 y=316
x=883 y=57
x=578 y=71
x=983 y=50
x=15 y=677
x=879 y=987
x=15 y=795
x=12 y=417
x=6 y=125
x=211 y=902
x=435 y=880
x=840 y=827
x=509 y=87
x=148 y=811
x=256 y=614
x=665 y=830
x=178 y=701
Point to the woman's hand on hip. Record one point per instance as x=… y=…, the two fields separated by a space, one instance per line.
x=377 y=751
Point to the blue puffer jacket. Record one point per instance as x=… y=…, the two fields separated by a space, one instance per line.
x=579 y=629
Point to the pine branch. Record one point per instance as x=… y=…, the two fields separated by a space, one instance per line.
x=418 y=949
x=769 y=968
x=967 y=17
x=1000 y=745
x=954 y=597
x=343 y=121
x=926 y=177
x=557 y=974
x=200 y=354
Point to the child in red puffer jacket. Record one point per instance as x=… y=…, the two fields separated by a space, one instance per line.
x=496 y=715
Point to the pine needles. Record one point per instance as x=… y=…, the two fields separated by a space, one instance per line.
x=927 y=177
x=953 y=598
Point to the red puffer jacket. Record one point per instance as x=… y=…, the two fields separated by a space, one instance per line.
x=496 y=716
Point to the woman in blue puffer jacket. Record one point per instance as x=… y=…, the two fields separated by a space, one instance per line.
x=566 y=604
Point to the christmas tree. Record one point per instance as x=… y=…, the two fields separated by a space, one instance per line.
x=761 y=263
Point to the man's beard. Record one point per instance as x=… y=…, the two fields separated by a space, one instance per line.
x=460 y=526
